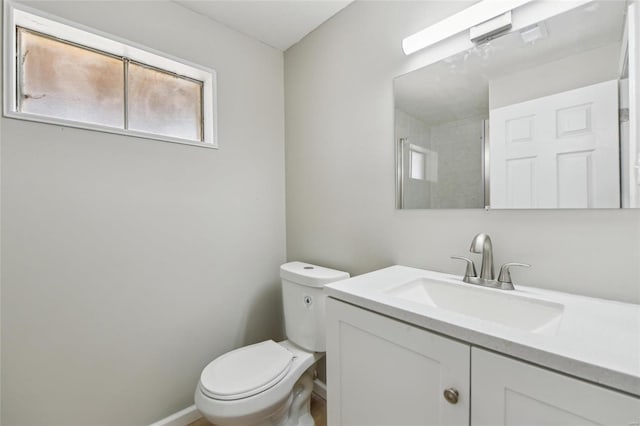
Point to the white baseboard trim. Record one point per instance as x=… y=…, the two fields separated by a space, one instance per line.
x=320 y=389
x=191 y=414
x=181 y=418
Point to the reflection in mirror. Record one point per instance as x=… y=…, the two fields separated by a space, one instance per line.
x=536 y=118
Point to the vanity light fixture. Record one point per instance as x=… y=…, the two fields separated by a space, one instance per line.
x=483 y=19
x=490 y=28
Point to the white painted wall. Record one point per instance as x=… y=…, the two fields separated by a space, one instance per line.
x=340 y=173
x=635 y=87
x=571 y=72
x=129 y=264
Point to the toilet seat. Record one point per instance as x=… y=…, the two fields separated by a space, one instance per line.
x=246 y=411
x=246 y=371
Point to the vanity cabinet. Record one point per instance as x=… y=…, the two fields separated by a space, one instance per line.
x=384 y=372
x=510 y=392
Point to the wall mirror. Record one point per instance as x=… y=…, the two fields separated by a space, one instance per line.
x=535 y=118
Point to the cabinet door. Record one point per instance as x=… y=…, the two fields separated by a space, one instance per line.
x=507 y=392
x=383 y=372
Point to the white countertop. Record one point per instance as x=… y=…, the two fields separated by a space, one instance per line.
x=597 y=340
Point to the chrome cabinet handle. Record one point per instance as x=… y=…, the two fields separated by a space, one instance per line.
x=505 y=275
x=451 y=395
x=470 y=272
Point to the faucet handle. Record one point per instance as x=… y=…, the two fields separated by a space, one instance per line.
x=504 y=278
x=470 y=272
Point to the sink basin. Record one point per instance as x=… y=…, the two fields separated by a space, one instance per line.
x=498 y=306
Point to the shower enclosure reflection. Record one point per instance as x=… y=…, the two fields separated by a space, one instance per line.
x=440 y=162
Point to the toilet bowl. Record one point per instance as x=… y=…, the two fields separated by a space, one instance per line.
x=228 y=394
x=270 y=383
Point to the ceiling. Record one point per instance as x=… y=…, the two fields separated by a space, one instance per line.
x=278 y=23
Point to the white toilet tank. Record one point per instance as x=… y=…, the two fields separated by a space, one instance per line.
x=303 y=300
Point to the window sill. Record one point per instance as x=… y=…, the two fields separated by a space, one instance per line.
x=104 y=129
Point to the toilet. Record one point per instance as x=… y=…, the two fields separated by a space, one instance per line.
x=270 y=383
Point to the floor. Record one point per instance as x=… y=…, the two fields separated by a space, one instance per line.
x=318 y=411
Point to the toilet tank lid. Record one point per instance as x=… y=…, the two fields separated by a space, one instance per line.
x=310 y=275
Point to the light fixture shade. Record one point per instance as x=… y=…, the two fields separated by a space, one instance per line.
x=490 y=28
x=462 y=21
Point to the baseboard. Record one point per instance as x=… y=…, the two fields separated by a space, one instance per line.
x=191 y=414
x=320 y=389
x=181 y=418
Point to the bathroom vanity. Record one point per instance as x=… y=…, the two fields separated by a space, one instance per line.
x=408 y=346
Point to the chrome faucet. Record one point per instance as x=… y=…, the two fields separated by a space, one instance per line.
x=482 y=244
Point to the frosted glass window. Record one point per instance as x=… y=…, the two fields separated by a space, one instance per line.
x=417 y=165
x=164 y=103
x=59 y=73
x=61 y=80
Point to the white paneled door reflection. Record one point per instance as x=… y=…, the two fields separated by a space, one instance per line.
x=558 y=151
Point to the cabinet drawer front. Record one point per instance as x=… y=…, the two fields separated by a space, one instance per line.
x=383 y=372
x=507 y=392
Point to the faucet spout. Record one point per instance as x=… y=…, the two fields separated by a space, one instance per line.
x=482 y=244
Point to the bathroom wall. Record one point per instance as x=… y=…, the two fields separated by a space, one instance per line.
x=459 y=147
x=129 y=264
x=340 y=173
x=571 y=72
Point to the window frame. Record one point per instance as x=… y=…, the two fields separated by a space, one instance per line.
x=18 y=15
